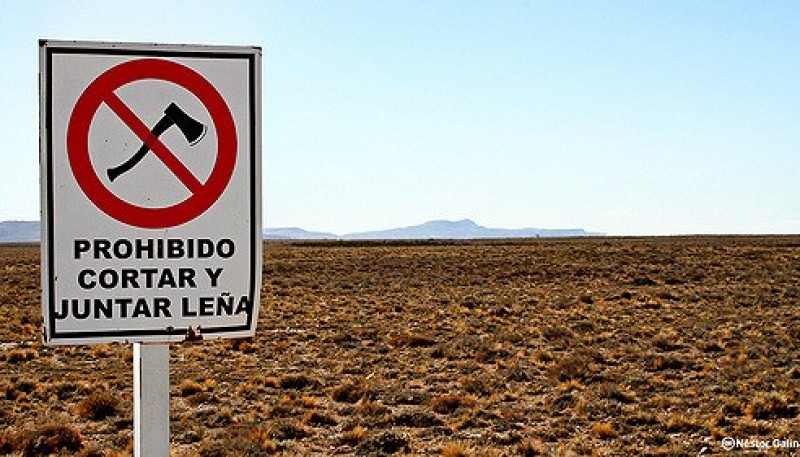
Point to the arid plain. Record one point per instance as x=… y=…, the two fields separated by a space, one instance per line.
x=596 y=346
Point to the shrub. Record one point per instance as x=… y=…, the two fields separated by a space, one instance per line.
x=531 y=449
x=603 y=430
x=612 y=391
x=9 y=442
x=385 y=443
x=20 y=355
x=769 y=405
x=354 y=436
x=454 y=450
x=98 y=406
x=296 y=381
x=416 y=419
x=678 y=423
x=478 y=385
x=349 y=391
x=286 y=430
x=318 y=419
x=189 y=387
x=572 y=366
x=236 y=447
x=447 y=404
x=52 y=439
x=369 y=408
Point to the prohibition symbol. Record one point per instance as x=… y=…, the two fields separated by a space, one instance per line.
x=102 y=91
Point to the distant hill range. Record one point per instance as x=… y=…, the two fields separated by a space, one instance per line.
x=19 y=231
x=452 y=230
x=22 y=231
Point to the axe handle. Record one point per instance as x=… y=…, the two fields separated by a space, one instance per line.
x=161 y=126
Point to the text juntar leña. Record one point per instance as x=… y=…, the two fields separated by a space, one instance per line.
x=127 y=281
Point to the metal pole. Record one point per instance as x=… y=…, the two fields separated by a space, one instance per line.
x=150 y=400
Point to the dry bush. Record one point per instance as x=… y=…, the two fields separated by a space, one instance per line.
x=667 y=341
x=416 y=419
x=102 y=350
x=202 y=398
x=52 y=439
x=296 y=381
x=98 y=406
x=189 y=387
x=215 y=417
x=603 y=430
x=455 y=450
x=793 y=330
x=305 y=401
x=238 y=446
x=354 y=436
x=243 y=345
x=92 y=451
x=449 y=403
x=560 y=403
x=412 y=340
x=613 y=391
x=662 y=362
x=491 y=353
x=317 y=419
x=18 y=355
x=287 y=430
x=678 y=423
x=531 y=449
x=66 y=390
x=557 y=334
x=10 y=442
x=117 y=453
x=209 y=384
x=369 y=408
x=542 y=356
x=731 y=407
x=16 y=389
x=479 y=385
x=576 y=365
x=268 y=381
x=769 y=405
x=383 y=444
x=350 y=391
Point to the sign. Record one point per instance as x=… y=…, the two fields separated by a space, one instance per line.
x=151 y=191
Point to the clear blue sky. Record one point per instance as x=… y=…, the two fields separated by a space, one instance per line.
x=626 y=117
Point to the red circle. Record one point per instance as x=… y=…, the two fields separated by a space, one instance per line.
x=78 y=143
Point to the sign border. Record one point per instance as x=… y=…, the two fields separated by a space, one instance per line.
x=49 y=48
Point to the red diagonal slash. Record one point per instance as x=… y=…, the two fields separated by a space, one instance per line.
x=154 y=143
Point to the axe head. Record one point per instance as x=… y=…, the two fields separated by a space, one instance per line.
x=193 y=130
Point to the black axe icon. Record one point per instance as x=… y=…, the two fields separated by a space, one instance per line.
x=191 y=129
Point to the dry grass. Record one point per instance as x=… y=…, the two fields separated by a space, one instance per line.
x=602 y=346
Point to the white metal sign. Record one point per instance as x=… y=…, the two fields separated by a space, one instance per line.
x=151 y=191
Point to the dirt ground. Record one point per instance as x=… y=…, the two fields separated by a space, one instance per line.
x=604 y=346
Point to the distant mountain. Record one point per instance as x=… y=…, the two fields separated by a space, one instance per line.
x=294 y=233
x=461 y=230
x=18 y=231
x=439 y=229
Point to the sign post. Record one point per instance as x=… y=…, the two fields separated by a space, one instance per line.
x=151 y=203
x=150 y=400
